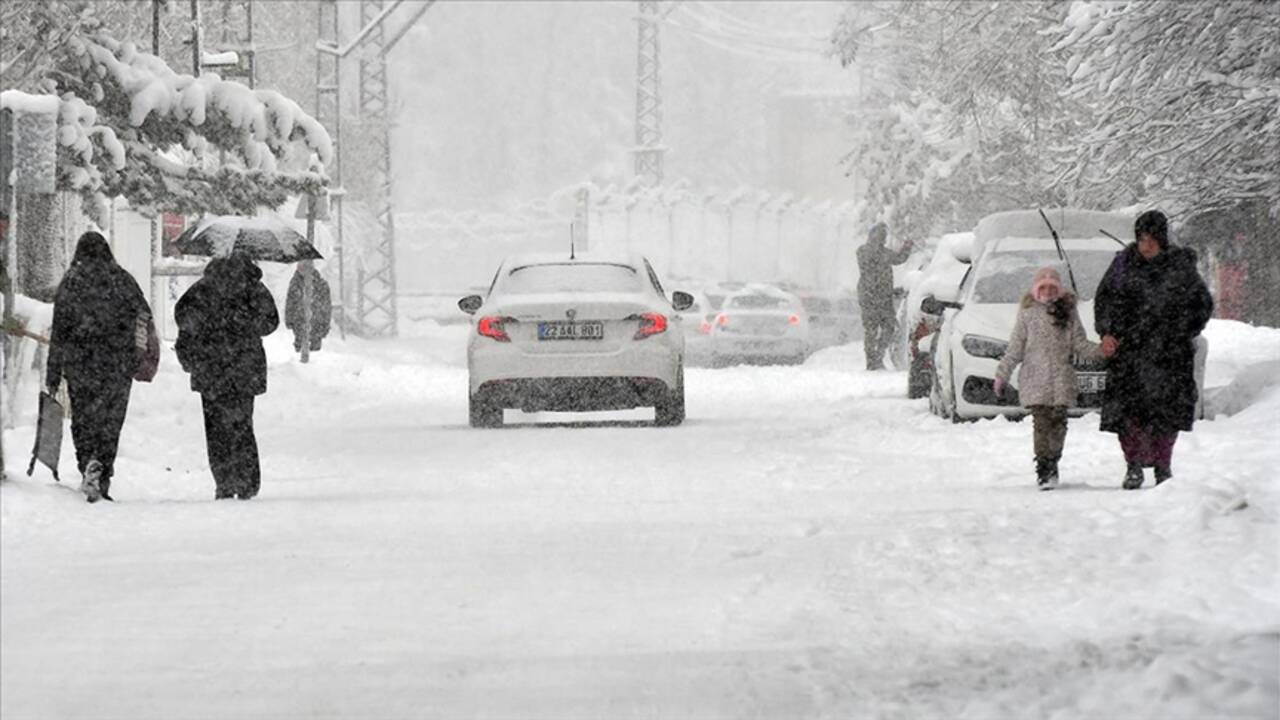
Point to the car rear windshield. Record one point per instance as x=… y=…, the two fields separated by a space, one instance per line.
x=817 y=305
x=758 y=302
x=572 y=277
x=1004 y=277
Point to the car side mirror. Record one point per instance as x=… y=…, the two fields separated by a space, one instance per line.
x=681 y=301
x=933 y=306
x=470 y=304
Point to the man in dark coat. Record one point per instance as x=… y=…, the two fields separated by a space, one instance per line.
x=221 y=322
x=295 y=309
x=94 y=345
x=875 y=293
x=1150 y=306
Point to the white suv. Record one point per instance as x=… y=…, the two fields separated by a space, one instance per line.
x=583 y=333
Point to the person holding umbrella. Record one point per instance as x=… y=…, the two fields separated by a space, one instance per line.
x=221 y=321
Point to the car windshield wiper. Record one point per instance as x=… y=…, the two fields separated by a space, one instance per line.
x=1062 y=255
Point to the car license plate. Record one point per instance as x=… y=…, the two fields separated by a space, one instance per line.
x=562 y=330
x=1091 y=383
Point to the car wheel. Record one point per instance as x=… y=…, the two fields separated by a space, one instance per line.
x=670 y=410
x=917 y=381
x=484 y=414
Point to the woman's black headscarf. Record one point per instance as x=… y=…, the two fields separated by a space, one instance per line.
x=1154 y=223
x=92 y=247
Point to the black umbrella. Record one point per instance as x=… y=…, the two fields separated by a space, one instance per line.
x=261 y=238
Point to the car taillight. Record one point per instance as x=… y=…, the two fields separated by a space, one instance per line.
x=794 y=319
x=651 y=324
x=705 y=328
x=490 y=326
x=722 y=321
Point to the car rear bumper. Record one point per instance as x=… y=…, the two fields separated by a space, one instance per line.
x=648 y=359
x=753 y=348
x=574 y=394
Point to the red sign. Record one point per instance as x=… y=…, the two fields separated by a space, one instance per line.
x=171 y=226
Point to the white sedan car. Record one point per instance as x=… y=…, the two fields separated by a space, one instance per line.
x=557 y=333
x=760 y=324
x=1008 y=248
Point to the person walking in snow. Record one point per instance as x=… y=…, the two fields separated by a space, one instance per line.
x=295 y=307
x=221 y=322
x=1046 y=337
x=1149 y=308
x=875 y=293
x=94 y=345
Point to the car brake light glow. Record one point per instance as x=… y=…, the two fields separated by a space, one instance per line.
x=651 y=324
x=490 y=326
x=794 y=319
x=722 y=321
x=705 y=328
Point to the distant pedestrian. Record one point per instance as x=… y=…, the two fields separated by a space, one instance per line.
x=1046 y=337
x=98 y=342
x=221 y=322
x=295 y=307
x=1149 y=308
x=875 y=293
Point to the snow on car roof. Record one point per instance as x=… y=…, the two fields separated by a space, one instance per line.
x=582 y=258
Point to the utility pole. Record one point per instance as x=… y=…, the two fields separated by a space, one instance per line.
x=377 y=278
x=329 y=115
x=648 y=150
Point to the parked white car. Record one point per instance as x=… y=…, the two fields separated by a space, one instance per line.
x=1007 y=250
x=577 y=334
x=760 y=324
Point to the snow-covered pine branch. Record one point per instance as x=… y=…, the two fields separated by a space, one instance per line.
x=131 y=126
x=1186 y=100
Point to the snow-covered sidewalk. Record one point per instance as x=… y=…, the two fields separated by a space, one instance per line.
x=809 y=544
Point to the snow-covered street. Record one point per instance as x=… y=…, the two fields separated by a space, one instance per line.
x=808 y=544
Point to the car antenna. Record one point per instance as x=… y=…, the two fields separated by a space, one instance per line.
x=1113 y=237
x=1062 y=255
x=572 y=249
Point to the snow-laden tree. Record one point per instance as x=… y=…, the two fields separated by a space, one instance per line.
x=132 y=127
x=1185 y=100
x=961 y=108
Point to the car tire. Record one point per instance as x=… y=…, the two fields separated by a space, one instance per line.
x=918 y=384
x=669 y=412
x=484 y=414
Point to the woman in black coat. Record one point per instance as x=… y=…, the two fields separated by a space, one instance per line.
x=221 y=322
x=97 y=314
x=1150 y=306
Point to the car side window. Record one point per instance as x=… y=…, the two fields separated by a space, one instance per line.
x=653 y=278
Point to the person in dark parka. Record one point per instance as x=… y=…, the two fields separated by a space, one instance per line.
x=1149 y=308
x=97 y=312
x=221 y=321
x=875 y=293
x=321 y=306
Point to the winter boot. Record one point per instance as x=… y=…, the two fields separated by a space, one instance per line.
x=1046 y=473
x=1133 y=477
x=1050 y=480
x=1162 y=474
x=92 y=477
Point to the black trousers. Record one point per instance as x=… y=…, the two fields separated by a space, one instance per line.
x=877 y=331
x=233 y=448
x=97 y=416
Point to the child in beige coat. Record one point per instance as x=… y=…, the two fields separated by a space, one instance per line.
x=1046 y=338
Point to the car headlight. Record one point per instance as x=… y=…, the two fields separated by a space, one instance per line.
x=984 y=347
